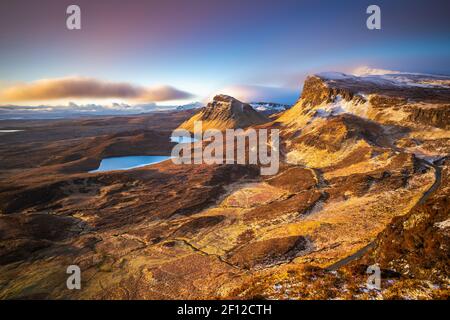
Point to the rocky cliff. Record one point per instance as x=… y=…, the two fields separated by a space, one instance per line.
x=406 y=99
x=225 y=112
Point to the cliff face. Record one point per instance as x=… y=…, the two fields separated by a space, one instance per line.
x=407 y=100
x=225 y=112
x=317 y=91
x=438 y=116
x=409 y=106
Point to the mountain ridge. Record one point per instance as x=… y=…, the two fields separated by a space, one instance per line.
x=225 y=112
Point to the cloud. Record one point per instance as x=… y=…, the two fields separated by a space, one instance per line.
x=368 y=71
x=82 y=87
x=252 y=93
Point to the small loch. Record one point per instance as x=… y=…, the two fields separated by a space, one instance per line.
x=127 y=163
x=132 y=162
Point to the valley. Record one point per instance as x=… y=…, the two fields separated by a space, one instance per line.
x=363 y=179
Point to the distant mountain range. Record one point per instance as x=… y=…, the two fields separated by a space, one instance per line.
x=73 y=110
x=189 y=106
x=269 y=108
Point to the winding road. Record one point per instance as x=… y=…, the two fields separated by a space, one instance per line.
x=437 y=182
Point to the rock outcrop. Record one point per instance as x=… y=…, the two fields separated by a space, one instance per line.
x=225 y=112
x=406 y=99
x=437 y=116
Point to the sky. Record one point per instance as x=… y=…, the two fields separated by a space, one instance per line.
x=166 y=52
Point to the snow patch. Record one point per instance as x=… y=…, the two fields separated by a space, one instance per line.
x=269 y=106
x=443 y=224
x=390 y=78
x=340 y=106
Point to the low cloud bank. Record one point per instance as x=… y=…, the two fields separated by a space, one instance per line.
x=251 y=93
x=82 y=87
x=368 y=71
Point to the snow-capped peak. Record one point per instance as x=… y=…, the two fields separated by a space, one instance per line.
x=388 y=78
x=368 y=71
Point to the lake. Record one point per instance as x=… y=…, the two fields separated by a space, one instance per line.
x=129 y=162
